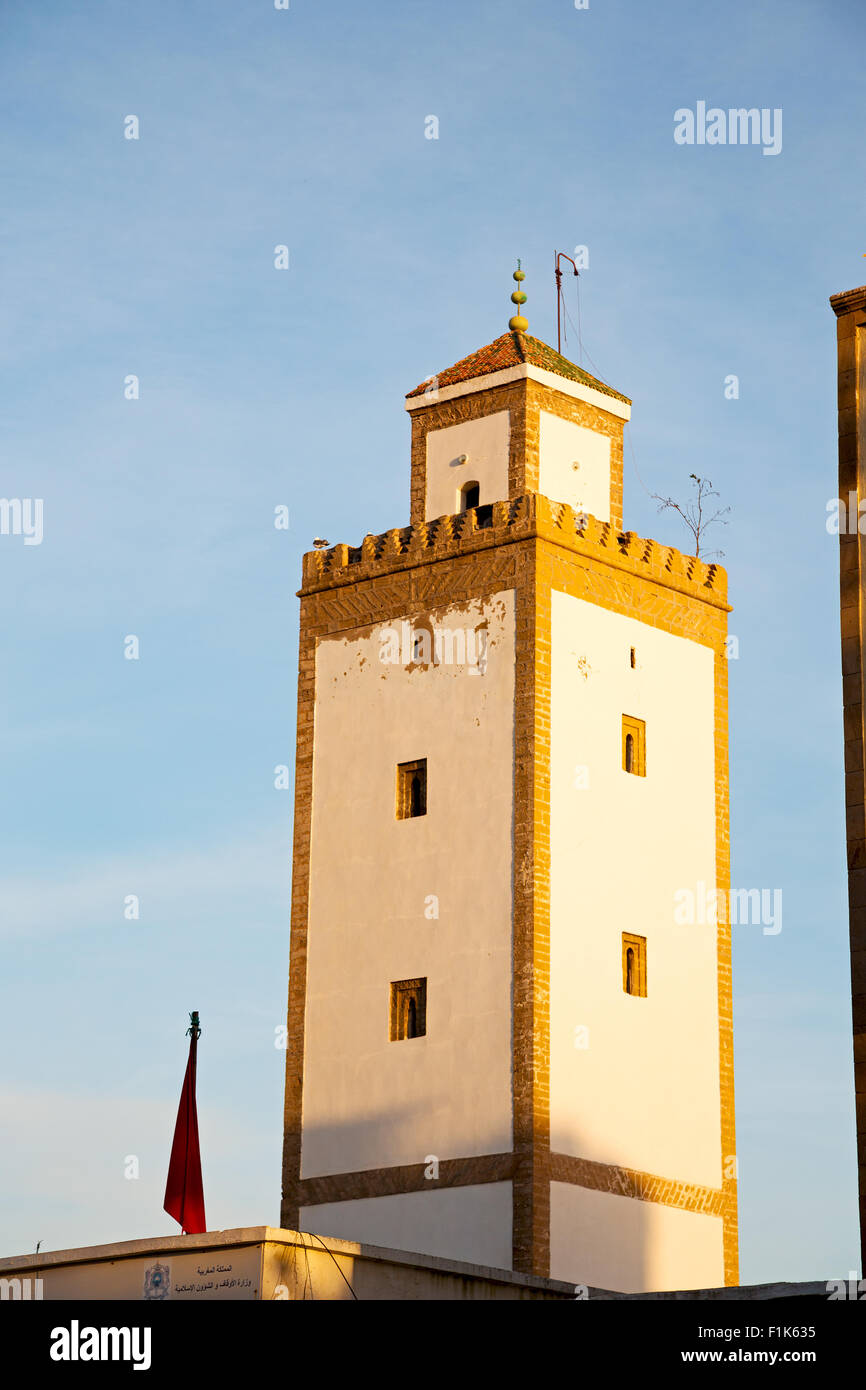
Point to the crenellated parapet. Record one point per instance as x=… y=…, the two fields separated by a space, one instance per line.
x=502 y=523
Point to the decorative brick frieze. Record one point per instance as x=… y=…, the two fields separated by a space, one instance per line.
x=519 y=519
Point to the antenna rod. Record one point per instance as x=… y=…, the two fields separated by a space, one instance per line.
x=560 y=256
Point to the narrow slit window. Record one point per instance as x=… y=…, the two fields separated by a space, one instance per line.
x=633 y=745
x=632 y=658
x=422 y=643
x=634 y=965
x=412 y=789
x=470 y=496
x=408 y=1012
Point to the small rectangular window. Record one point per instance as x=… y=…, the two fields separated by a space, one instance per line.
x=408 y=1009
x=633 y=745
x=412 y=789
x=634 y=964
x=632 y=658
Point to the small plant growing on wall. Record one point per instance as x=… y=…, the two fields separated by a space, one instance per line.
x=698 y=513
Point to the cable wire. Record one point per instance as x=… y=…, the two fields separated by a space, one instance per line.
x=601 y=377
x=339 y=1271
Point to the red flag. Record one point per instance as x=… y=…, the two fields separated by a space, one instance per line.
x=184 y=1195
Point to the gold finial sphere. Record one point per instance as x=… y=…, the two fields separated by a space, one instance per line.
x=518 y=324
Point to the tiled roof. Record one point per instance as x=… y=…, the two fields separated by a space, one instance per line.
x=511 y=350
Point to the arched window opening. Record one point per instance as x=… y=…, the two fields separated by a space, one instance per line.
x=470 y=495
x=408 y=1009
x=633 y=745
x=634 y=965
x=412 y=789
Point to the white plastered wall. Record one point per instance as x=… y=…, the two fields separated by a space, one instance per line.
x=612 y=1242
x=369 y=1102
x=561 y=445
x=640 y=1086
x=456 y=1223
x=485 y=443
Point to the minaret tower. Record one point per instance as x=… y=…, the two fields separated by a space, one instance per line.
x=506 y=1045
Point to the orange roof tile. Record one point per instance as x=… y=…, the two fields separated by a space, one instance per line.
x=511 y=350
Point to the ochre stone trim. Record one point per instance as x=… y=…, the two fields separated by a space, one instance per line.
x=630 y=1182
x=541 y=916
x=298 y=948
x=635 y=595
x=849 y=301
x=409 y=1177
x=414 y=593
x=531 y=949
x=725 y=974
x=505 y=1167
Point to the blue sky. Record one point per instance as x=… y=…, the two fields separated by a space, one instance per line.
x=155 y=257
